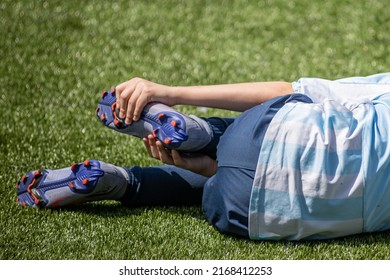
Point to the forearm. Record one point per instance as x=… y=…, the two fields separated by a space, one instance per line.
x=237 y=97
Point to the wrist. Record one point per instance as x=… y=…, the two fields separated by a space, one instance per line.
x=173 y=94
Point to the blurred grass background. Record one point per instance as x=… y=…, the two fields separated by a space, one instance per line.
x=58 y=56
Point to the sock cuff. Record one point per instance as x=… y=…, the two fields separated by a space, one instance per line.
x=218 y=127
x=134 y=183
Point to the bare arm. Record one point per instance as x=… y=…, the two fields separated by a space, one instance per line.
x=134 y=94
x=237 y=97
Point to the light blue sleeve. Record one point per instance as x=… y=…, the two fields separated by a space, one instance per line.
x=347 y=91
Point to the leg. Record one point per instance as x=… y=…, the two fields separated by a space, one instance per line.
x=218 y=127
x=90 y=180
x=163 y=185
x=173 y=129
x=170 y=185
x=94 y=180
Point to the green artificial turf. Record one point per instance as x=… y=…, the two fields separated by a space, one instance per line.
x=58 y=56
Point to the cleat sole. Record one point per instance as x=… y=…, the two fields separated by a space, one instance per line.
x=80 y=179
x=167 y=126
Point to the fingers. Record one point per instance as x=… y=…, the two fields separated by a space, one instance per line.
x=121 y=86
x=202 y=165
x=147 y=146
x=137 y=91
x=124 y=98
x=142 y=100
x=163 y=154
x=177 y=159
x=118 y=90
x=151 y=147
x=131 y=97
x=124 y=92
x=157 y=150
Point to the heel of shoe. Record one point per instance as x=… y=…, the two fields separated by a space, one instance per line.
x=85 y=176
x=172 y=130
x=53 y=188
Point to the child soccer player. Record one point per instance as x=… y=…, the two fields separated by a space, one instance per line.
x=305 y=160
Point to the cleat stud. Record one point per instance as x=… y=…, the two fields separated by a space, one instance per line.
x=167 y=141
x=103 y=117
x=24 y=204
x=113 y=106
x=154 y=133
x=104 y=94
x=17 y=200
x=37 y=173
x=174 y=123
x=117 y=122
x=97 y=110
x=71 y=185
x=160 y=116
x=112 y=91
x=24 y=178
x=86 y=163
x=73 y=167
x=85 y=181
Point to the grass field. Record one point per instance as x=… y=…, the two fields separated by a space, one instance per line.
x=58 y=56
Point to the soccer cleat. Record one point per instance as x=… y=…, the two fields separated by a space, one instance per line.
x=88 y=181
x=173 y=129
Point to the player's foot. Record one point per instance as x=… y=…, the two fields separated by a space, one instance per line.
x=173 y=129
x=88 y=181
